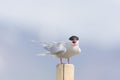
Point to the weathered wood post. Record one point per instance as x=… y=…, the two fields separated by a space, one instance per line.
x=65 y=72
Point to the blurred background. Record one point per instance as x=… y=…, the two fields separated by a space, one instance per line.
x=26 y=23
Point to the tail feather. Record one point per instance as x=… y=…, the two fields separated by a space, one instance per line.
x=46 y=54
x=43 y=54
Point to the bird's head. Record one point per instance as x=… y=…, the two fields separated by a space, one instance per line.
x=74 y=40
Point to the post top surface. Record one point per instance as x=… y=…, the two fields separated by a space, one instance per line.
x=65 y=64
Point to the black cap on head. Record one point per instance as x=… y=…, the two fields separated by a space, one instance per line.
x=74 y=37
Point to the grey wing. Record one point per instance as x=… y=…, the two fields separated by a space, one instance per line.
x=56 y=48
x=49 y=45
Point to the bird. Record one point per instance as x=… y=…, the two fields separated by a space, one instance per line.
x=63 y=49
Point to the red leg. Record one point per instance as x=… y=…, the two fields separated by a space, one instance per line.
x=68 y=60
x=60 y=60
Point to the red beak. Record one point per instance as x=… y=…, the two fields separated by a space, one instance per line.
x=74 y=42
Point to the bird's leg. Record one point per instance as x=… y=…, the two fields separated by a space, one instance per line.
x=68 y=60
x=60 y=60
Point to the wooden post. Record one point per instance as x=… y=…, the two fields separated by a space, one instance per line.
x=65 y=72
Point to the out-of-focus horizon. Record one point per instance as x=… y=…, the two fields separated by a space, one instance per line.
x=96 y=23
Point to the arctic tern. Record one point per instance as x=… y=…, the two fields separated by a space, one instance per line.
x=63 y=49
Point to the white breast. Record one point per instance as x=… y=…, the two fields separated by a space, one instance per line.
x=70 y=51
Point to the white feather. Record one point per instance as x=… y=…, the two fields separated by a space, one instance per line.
x=61 y=49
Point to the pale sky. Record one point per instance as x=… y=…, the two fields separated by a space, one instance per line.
x=95 y=22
